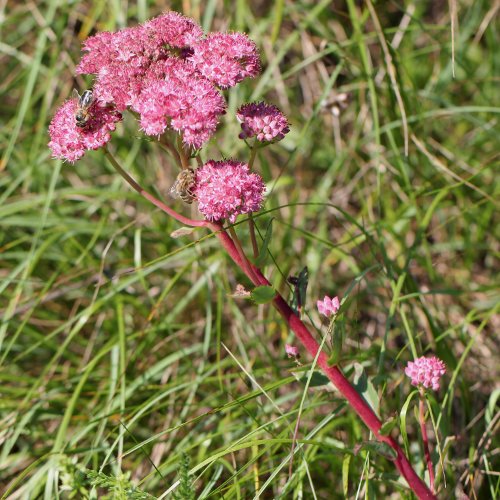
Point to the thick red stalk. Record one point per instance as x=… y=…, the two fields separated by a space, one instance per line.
x=360 y=406
x=356 y=401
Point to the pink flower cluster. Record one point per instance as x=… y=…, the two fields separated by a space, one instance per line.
x=69 y=142
x=226 y=58
x=168 y=72
x=226 y=189
x=426 y=371
x=264 y=121
x=328 y=306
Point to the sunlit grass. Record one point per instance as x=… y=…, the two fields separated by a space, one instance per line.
x=120 y=346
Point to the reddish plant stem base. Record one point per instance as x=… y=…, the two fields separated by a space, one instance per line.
x=356 y=401
x=425 y=440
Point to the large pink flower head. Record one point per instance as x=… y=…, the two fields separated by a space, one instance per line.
x=226 y=189
x=328 y=306
x=120 y=60
x=264 y=121
x=175 y=95
x=226 y=58
x=426 y=371
x=69 y=142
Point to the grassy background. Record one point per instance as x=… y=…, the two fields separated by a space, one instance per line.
x=120 y=346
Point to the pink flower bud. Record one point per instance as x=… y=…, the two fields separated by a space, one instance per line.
x=328 y=307
x=292 y=351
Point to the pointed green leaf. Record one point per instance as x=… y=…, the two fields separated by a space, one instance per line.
x=365 y=387
x=263 y=294
x=377 y=447
x=263 y=253
x=387 y=426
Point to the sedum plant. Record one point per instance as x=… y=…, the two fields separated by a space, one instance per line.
x=170 y=76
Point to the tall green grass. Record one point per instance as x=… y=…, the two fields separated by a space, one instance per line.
x=126 y=365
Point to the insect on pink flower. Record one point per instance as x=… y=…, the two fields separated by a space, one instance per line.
x=69 y=142
x=226 y=189
x=426 y=372
x=328 y=306
x=264 y=121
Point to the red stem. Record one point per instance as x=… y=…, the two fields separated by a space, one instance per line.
x=425 y=439
x=356 y=401
x=360 y=406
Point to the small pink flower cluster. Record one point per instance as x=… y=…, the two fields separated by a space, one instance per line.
x=225 y=189
x=71 y=142
x=291 y=351
x=226 y=58
x=426 y=371
x=264 y=121
x=328 y=306
x=167 y=72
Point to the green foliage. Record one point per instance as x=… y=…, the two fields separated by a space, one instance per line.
x=117 y=488
x=263 y=294
x=185 y=490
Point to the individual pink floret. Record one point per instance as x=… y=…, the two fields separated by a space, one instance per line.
x=426 y=371
x=226 y=189
x=226 y=58
x=173 y=29
x=328 y=306
x=175 y=95
x=264 y=121
x=69 y=142
x=291 y=351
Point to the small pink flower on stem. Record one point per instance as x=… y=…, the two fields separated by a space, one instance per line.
x=264 y=121
x=226 y=189
x=328 y=306
x=292 y=351
x=426 y=372
x=69 y=142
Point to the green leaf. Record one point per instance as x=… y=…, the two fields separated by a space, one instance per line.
x=387 y=426
x=337 y=342
x=345 y=474
x=365 y=387
x=299 y=283
x=263 y=253
x=377 y=447
x=263 y=294
x=317 y=379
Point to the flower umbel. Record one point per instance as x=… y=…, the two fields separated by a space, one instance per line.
x=226 y=189
x=69 y=142
x=264 y=121
x=426 y=371
x=328 y=306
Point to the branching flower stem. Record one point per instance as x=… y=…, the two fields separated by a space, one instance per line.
x=333 y=372
x=155 y=201
x=425 y=438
